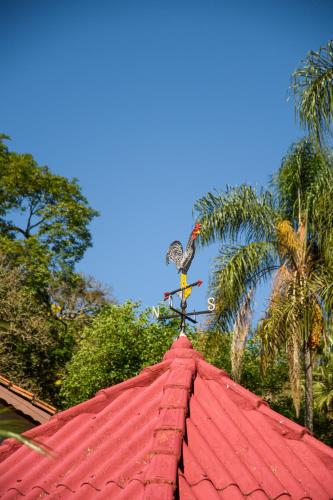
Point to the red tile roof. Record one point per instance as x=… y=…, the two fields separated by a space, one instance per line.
x=181 y=429
x=25 y=401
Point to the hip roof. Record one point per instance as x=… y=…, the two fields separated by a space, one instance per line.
x=181 y=429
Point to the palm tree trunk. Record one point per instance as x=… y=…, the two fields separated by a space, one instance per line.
x=308 y=417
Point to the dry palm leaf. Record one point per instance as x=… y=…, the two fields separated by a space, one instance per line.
x=240 y=333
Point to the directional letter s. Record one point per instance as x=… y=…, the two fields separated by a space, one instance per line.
x=211 y=304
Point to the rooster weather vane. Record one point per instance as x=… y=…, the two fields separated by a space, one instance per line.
x=183 y=260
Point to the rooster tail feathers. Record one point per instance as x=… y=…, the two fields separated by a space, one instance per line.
x=175 y=253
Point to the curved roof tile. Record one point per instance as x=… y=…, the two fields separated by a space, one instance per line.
x=181 y=429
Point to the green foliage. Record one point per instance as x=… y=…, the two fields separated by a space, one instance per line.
x=303 y=170
x=215 y=347
x=237 y=269
x=323 y=381
x=33 y=344
x=36 y=344
x=44 y=221
x=44 y=217
x=238 y=213
x=323 y=389
x=31 y=258
x=116 y=346
x=239 y=210
x=312 y=87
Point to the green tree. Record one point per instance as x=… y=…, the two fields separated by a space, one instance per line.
x=78 y=298
x=44 y=303
x=37 y=341
x=312 y=86
x=215 y=347
x=286 y=233
x=116 y=346
x=33 y=344
x=44 y=217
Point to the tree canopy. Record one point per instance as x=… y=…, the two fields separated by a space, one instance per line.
x=44 y=303
x=44 y=217
x=33 y=344
x=116 y=346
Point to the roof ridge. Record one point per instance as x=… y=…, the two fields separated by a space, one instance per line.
x=182 y=348
x=169 y=431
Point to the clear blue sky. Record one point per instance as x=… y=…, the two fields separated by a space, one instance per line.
x=151 y=104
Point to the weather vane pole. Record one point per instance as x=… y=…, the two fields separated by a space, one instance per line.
x=183 y=260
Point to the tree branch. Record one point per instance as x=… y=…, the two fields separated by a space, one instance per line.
x=38 y=223
x=29 y=220
x=11 y=227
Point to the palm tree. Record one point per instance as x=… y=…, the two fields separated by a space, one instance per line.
x=312 y=87
x=323 y=381
x=284 y=234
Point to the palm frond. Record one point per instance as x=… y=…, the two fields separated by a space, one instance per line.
x=321 y=285
x=323 y=394
x=294 y=320
x=281 y=281
x=240 y=333
x=323 y=381
x=239 y=268
x=320 y=203
x=281 y=320
x=281 y=327
x=30 y=443
x=297 y=178
x=9 y=429
x=290 y=226
x=240 y=211
x=312 y=87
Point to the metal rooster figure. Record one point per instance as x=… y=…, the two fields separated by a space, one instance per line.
x=183 y=260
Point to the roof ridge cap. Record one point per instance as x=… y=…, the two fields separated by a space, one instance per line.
x=169 y=431
x=182 y=348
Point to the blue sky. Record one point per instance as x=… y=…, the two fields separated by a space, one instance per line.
x=150 y=105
